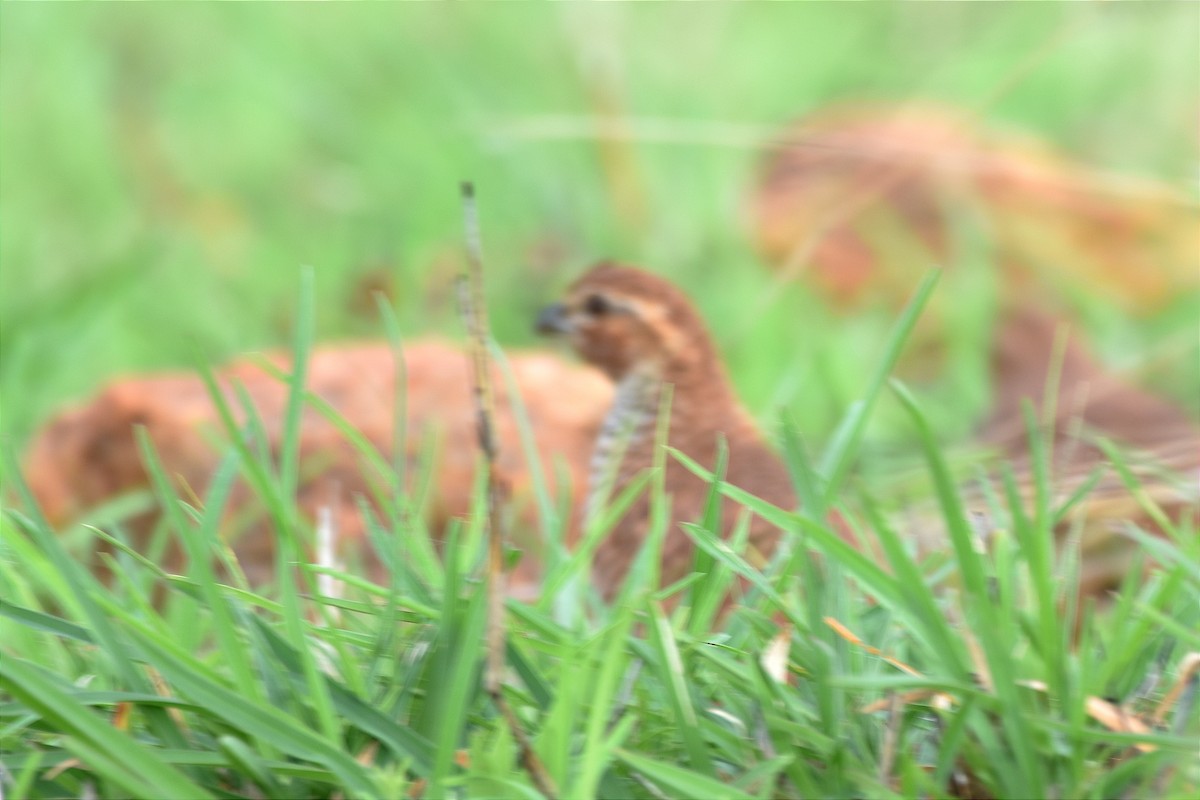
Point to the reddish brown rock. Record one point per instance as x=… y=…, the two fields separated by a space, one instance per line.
x=88 y=454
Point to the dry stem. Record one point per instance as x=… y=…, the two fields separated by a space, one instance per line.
x=474 y=312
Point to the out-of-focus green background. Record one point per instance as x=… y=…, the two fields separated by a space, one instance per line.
x=168 y=170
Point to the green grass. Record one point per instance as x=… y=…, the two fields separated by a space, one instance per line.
x=174 y=177
x=275 y=697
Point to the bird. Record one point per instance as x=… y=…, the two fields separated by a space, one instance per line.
x=1090 y=403
x=644 y=334
x=88 y=455
x=854 y=196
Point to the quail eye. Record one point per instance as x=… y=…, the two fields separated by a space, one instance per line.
x=597 y=305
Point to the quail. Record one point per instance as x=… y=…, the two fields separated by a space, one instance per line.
x=88 y=455
x=861 y=194
x=644 y=334
x=864 y=196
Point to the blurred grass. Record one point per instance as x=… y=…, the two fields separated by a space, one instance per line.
x=168 y=170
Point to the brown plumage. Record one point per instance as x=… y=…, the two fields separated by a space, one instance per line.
x=1161 y=443
x=88 y=455
x=863 y=195
x=644 y=334
x=1089 y=398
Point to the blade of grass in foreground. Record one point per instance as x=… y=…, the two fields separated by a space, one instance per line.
x=452 y=674
x=85 y=589
x=1025 y=778
x=289 y=551
x=679 y=781
x=46 y=623
x=391 y=326
x=403 y=509
x=553 y=530
x=1036 y=536
x=706 y=595
x=580 y=560
x=841 y=450
x=261 y=720
x=199 y=557
x=403 y=741
x=673 y=678
x=599 y=739
x=920 y=608
x=110 y=752
x=871 y=574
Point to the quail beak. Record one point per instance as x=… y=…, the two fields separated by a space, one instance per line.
x=553 y=320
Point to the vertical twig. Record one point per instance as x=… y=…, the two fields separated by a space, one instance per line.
x=474 y=311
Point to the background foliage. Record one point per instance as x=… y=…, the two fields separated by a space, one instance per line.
x=167 y=171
